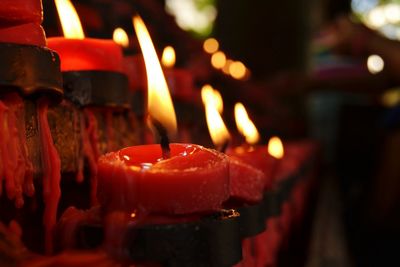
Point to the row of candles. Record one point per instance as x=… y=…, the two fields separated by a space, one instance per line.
x=176 y=184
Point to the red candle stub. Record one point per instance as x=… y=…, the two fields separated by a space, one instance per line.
x=29 y=34
x=193 y=180
x=20 y=11
x=257 y=157
x=247 y=183
x=87 y=54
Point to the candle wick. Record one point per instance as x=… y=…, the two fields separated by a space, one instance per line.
x=164 y=140
x=224 y=146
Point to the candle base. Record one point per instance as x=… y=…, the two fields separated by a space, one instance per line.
x=213 y=240
x=30 y=69
x=98 y=88
x=252 y=219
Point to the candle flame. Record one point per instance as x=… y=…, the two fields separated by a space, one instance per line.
x=121 y=37
x=216 y=126
x=210 y=96
x=245 y=125
x=168 y=57
x=159 y=102
x=70 y=23
x=275 y=147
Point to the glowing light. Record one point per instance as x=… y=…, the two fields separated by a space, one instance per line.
x=392 y=13
x=237 y=70
x=225 y=69
x=275 y=147
x=391 y=98
x=121 y=37
x=159 y=102
x=216 y=126
x=376 y=18
x=70 y=23
x=211 y=45
x=375 y=64
x=189 y=16
x=168 y=57
x=218 y=60
x=245 y=125
x=212 y=97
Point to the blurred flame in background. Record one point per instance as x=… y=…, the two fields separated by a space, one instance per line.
x=121 y=37
x=275 y=147
x=168 y=57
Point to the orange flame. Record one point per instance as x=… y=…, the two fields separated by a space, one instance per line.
x=159 y=102
x=210 y=96
x=121 y=37
x=70 y=23
x=275 y=147
x=245 y=125
x=216 y=126
x=168 y=57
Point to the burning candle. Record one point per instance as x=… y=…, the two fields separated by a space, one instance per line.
x=166 y=178
x=247 y=182
x=78 y=53
x=180 y=81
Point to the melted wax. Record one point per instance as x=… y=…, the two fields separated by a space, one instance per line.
x=15 y=167
x=51 y=174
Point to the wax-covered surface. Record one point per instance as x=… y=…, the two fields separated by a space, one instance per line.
x=27 y=33
x=20 y=11
x=87 y=54
x=194 y=179
x=246 y=182
x=259 y=158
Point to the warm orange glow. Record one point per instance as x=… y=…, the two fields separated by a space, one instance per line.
x=168 y=57
x=218 y=60
x=210 y=96
x=211 y=45
x=275 y=147
x=159 y=102
x=237 y=70
x=216 y=126
x=228 y=64
x=70 y=23
x=121 y=37
x=245 y=125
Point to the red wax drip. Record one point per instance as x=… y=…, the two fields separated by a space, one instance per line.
x=79 y=175
x=51 y=174
x=90 y=147
x=16 y=167
x=110 y=130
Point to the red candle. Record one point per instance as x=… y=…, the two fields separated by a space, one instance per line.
x=258 y=158
x=194 y=179
x=29 y=34
x=87 y=54
x=20 y=11
x=20 y=22
x=247 y=182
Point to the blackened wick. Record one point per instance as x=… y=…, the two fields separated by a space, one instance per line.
x=164 y=140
